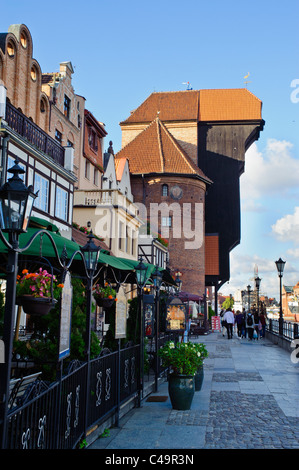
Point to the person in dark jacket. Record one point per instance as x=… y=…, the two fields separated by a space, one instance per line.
x=263 y=325
x=239 y=323
x=250 y=325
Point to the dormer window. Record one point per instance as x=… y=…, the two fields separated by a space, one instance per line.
x=92 y=139
x=10 y=49
x=67 y=107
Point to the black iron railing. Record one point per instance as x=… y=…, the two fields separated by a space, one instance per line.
x=34 y=134
x=289 y=330
x=56 y=418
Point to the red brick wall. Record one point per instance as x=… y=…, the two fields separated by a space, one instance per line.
x=190 y=262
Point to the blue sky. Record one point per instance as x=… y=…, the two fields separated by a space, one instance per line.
x=123 y=51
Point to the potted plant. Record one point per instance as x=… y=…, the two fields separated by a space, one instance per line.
x=37 y=292
x=183 y=359
x=104 y=296
x=199 y=375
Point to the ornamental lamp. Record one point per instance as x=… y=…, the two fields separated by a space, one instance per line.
x=141 y=270
x=16 y=202
x=280 y=266
x=90 y=253
x=257 y=283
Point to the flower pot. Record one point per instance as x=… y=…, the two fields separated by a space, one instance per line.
x=104 y=302
x=36 y=305
x=181 y=391
x=198 y=379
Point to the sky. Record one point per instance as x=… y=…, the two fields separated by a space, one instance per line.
x=123 y=51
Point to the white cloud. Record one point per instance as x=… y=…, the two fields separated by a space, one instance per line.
x=287 y=228
x=272 y=172
x=294 y=253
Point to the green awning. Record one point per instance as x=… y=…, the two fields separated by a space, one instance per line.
x=43 y=247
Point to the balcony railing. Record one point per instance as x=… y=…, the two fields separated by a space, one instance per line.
x=34 y=134
x=106 y=197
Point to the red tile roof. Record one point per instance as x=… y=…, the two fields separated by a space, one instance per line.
x=155 y=150
x=229 y=105
x=198 y=105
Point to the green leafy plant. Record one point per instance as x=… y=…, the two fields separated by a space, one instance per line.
x=38 y=284
x=82 y=444
x=105 y=433
x=201 y=348
x=106 y=292
x=42 y=347
x=182 y=358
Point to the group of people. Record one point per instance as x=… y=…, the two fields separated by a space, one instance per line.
x=251 y=324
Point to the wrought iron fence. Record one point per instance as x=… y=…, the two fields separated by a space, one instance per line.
x=55 y=419
x=289 y=330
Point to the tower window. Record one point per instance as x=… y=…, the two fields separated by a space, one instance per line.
x=165 y=190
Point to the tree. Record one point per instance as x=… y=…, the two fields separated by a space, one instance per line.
x=228 y=303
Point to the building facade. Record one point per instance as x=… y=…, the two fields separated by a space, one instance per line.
x=213 y=128
x=46 y=162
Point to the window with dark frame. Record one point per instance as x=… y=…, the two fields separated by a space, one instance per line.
x=67 y=106
x=58 y=136
x=92 y=139
x=164 y=190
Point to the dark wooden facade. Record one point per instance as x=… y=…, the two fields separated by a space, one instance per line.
x=221 y=156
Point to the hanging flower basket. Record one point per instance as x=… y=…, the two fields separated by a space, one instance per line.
x=36 y=305
x=104 y=302
x=104 y=296
x=37 y=292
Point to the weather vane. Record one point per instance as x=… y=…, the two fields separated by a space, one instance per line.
x=188 y=85
x=246 y=81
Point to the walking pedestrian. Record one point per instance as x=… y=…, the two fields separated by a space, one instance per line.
x=263 y=325
x=229 y=318
x=256 y=325
x=244 y=324
x=239 y=323
x=223 y=322
x=250 y=325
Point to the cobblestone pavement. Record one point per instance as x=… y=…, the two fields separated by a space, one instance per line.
x=249 y=400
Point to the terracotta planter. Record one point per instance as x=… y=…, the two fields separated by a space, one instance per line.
x=36 y=305
x=104 y=302
x=181 y=391
x=198 y=378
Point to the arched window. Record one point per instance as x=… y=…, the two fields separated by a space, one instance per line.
x=164 y=189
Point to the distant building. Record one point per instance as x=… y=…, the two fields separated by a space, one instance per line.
x=47 y=163
x=187 y=150
x=290 y=302
x=111 y=209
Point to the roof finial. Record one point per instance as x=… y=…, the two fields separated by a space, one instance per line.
x=110 y=149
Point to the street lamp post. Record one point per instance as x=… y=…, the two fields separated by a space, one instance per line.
x=90 y=254
x=178 y=281
x=16 y=201
x=280 y=267
x=248 y=294
x=257 y=286
x=141 y=271
x=157 y=279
